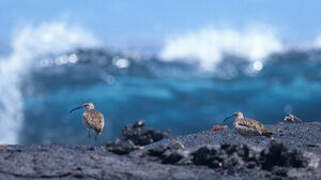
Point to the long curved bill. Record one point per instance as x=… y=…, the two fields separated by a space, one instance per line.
x=229 y=117
x=80 y=107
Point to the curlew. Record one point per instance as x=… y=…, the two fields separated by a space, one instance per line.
x=92 y=119
x=247 y=126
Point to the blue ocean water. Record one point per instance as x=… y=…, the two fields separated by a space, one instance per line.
x=174 y=96
x=186 y=86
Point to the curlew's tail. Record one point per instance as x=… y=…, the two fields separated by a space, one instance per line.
x=267 y=133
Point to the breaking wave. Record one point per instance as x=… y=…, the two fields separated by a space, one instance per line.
x=28 y=43
x=54 y=66
x=208 y=46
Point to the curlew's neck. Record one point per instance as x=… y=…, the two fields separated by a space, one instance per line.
x=238 y=119
x=89 y=109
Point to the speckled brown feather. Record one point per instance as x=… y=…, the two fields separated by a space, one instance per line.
x=93 y=119
x=250 y=127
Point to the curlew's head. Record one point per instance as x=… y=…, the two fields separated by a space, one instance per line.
x=237 y=115
x=86 y=106
x=89 y=105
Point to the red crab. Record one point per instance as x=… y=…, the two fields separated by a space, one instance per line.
x=291 y=118
x=218 y=127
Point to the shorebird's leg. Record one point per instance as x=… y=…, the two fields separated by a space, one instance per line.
x=89 y=135
x=95 y=139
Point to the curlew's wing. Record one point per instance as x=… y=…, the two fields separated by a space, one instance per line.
x=251 y=123
x=258 y=127
x=251 y=126
x=95 y=120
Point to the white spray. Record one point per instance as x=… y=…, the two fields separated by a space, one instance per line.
x=27 y=44
x=208 y=46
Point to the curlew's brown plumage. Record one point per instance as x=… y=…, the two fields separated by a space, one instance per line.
x=247 y=126
x=92 y=119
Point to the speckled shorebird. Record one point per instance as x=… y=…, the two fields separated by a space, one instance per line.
x=247 y=126
x=92 y=119
x=291 y=118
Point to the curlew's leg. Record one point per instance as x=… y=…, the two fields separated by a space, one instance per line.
x=95 y=139
x=89 y=135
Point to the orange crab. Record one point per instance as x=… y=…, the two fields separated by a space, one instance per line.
x=218 y=127
x=291 y=118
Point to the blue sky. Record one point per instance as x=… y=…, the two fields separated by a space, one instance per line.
x=149 y=22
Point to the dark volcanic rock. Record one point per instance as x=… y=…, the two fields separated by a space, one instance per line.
x=121 y=147
x=134 y=136
x=224 y=154
x=141 y=136
x=278 y=155
x=233 y=159
x=170 y=154
x=229 y=157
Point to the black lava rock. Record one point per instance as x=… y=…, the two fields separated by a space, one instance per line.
x=170 y=154
x=230 y=157
x=121 y=147
x=205 y=155
x=134 y=136
x=141 y=136
x=279 y=155
x=234 y=158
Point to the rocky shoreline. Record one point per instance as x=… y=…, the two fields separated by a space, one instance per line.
x=294 y=152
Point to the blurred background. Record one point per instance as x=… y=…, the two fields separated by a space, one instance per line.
x=179 y=65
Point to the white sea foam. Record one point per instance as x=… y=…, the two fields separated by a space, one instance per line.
x=28 y=43
x=317 y=42
x=208 y=46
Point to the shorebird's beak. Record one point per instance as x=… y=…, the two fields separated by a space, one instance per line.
x=80 y=107
x=229 y=117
